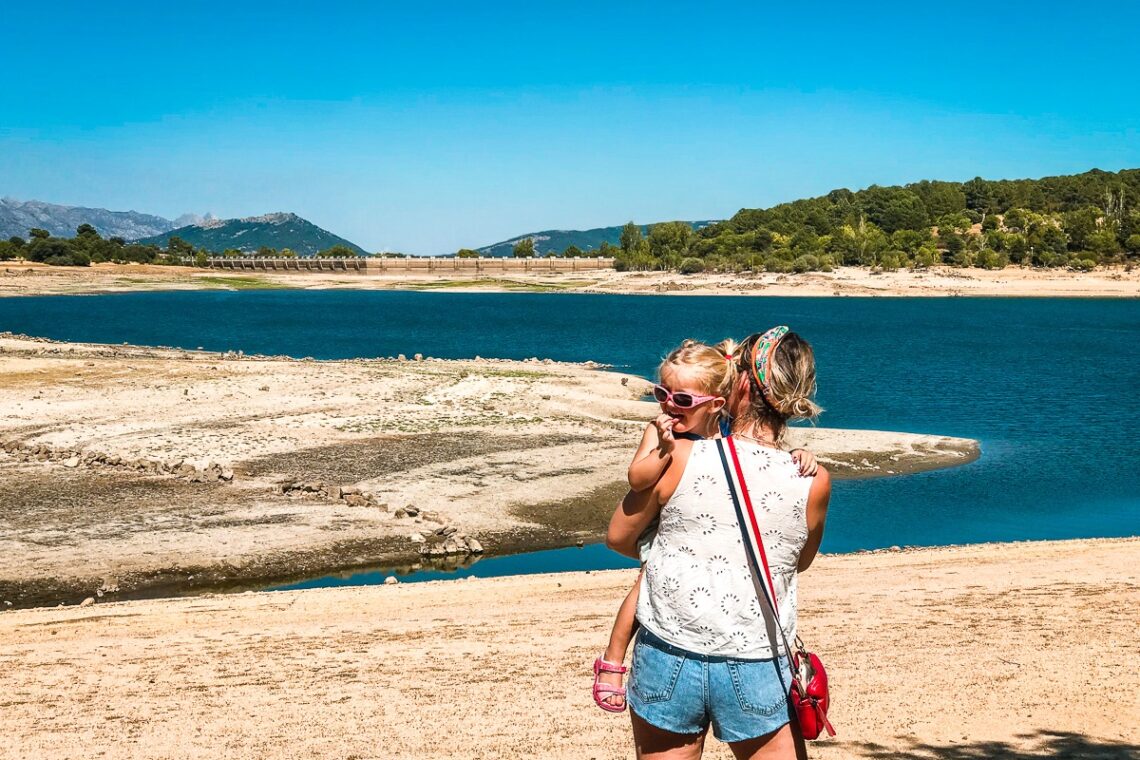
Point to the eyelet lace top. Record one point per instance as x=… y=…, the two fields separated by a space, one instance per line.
x=697 y=592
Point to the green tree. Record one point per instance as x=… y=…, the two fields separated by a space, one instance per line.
x=466 y=253
x=338 y=251
x=692 y=265
x=1132 y=245
x=177 y=247
x=669 y=242
x=607 y=250
x=524 y=249
x=285 y=253
x=37 y=233
x=201 y=259
x=572 y=252
x=630 y=238
x=265 y=252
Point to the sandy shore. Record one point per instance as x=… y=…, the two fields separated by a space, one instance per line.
x=37 y=279
x=1005 y=651
x=135 y=471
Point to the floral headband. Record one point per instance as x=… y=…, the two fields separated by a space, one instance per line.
x=762 y=354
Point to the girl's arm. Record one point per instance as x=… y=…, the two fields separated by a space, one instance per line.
x=818 y=497
x=632 y=516
x=653 y=455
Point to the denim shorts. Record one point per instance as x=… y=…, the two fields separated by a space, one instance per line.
x=684 y=693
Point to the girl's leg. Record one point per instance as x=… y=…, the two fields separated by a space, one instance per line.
x=620 y=638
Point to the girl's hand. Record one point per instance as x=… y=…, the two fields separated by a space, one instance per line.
x=665 y=440
x=806 y=460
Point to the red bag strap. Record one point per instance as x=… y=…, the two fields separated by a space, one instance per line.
x=753 y=525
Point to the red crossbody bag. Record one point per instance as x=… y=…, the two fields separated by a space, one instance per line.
x=808 y=694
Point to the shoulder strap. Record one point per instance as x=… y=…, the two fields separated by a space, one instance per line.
x=750 y=533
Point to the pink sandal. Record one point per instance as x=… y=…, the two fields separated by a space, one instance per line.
x=603 y=690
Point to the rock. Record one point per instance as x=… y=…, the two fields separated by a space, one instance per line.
x=625 y=381
x=355 y=500
x=334 y=492
x=452 y=546
x=313 y=486
x=474 y=546
x=110 y=586
x=418 y=357
x=417 y=538
x=226 y=474
x=579 y=543
x=87 y=602
x=391 y=580
x=895 y=549
x=446 y=530
x=401 y=513
x=349 y=490
x=71 y=462
x=412 y=511
x=401 y=358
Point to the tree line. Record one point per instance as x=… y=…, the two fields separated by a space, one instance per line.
x=88 y=247
x=1078 y=221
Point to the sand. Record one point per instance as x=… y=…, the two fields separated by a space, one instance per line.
x=1007 y=651
x=18 y=278
x=137 y=471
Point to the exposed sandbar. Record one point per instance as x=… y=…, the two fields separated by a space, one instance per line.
x=18 y=278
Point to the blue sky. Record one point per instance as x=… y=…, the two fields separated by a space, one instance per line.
x=427 y=128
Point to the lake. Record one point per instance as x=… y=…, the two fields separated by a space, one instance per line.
x=1049 y=386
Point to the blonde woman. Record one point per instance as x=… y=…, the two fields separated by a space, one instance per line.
x=705 y=654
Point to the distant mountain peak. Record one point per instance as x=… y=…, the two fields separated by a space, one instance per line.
x=278 y=230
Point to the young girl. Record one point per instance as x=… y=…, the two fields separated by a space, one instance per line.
x=695 y=380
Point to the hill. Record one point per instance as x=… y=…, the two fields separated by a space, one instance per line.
x=17 y=217
x=278 y=231
x=557 y=240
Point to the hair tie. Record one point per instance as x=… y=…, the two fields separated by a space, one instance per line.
x=762 y=354
x=728 y=358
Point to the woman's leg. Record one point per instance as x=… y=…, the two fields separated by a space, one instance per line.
x=784 y=744
x=653 y=743
x=620 y=638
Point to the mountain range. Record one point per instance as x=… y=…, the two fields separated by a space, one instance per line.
x=279 y=230
x=17 y=217
x=557 y=240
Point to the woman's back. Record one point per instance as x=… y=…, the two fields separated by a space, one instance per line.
x=698 y=592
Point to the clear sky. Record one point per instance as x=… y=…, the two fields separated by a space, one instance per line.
x=424 y=127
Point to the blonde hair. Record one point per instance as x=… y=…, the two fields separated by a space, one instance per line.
x=791 y=382
x=712 y=367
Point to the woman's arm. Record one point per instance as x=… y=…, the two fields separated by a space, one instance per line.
x=818 y=497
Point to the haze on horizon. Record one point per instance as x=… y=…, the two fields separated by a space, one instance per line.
x=426 y=130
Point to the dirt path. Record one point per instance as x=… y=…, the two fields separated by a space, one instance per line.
x=1008 y=650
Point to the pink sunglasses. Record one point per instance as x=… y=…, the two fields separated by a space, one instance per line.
x=680 y=399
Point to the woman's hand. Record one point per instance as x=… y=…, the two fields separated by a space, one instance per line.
x=806 y=461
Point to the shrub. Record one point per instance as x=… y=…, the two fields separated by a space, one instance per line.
x=988 y=258
x=777 y=264
x=1082 y=265
x=805 y=263
x=692 y=266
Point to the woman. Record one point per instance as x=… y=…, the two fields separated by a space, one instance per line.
x=707 y=653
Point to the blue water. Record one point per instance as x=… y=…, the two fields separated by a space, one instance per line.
x=1047 y=385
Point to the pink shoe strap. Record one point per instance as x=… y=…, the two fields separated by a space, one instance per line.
x=605 y=666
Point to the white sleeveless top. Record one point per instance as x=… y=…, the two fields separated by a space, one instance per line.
x=697 y=591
